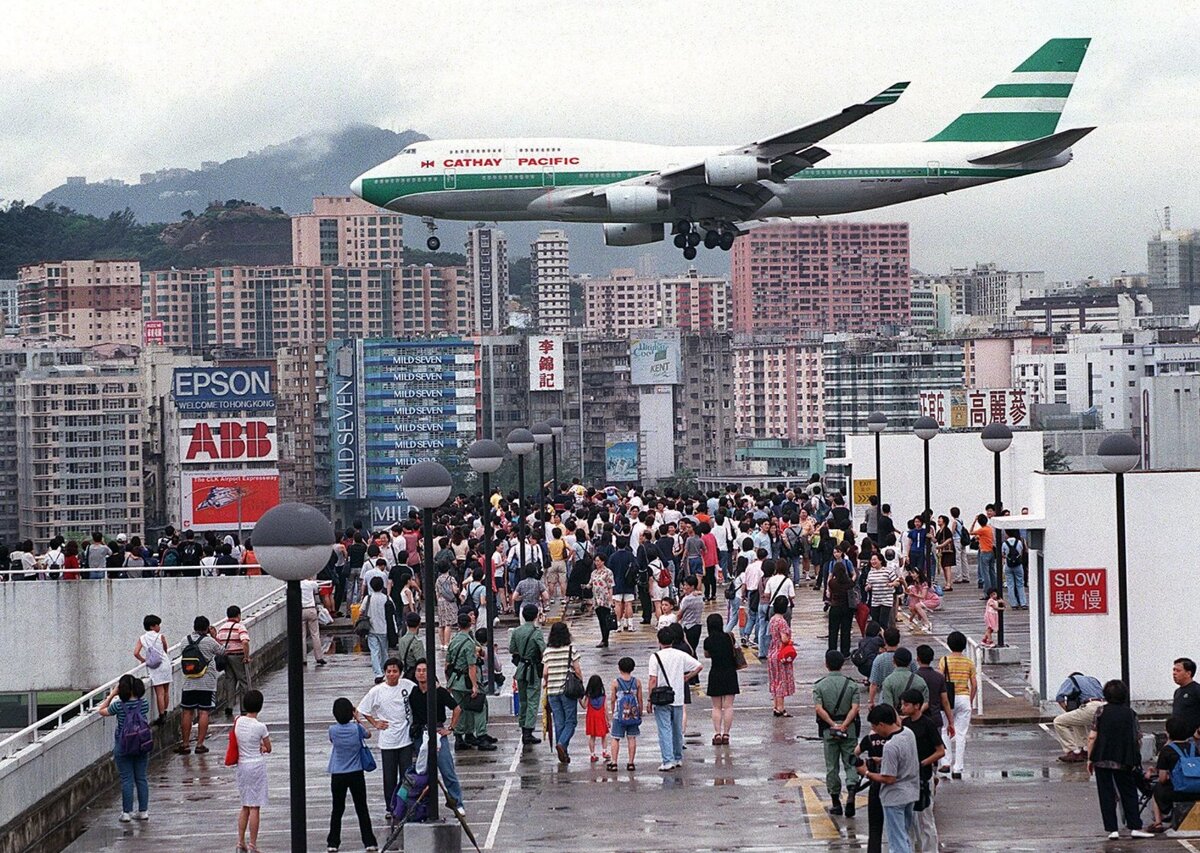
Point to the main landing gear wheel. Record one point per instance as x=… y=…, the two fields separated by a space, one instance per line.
x=711 y=239
x=690 y=252
x=682 y=226
x=433 y=244
x=725 y=240
x=693 y=240
x=681 y=241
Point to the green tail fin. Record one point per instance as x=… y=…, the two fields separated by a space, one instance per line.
x=1028 y=104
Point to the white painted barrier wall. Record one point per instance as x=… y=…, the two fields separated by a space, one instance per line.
x=1162 y=570
x=73 y=635
x=961 y=472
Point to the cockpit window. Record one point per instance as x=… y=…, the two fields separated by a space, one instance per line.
x=409 y=151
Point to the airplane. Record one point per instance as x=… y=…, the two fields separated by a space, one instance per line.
x=712 y=194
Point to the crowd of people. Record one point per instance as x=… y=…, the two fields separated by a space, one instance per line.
x=889 y=729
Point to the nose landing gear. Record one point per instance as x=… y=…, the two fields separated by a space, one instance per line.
x=433 y=243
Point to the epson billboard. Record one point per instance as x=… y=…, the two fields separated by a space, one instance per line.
x=223 y=389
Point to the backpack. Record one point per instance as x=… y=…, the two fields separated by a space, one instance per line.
x=193 y=663
x=154 y=657
x=17 y=567
x=664 y=578
x=1185 y=776
x=964 y=535
x=789 y=543
x=170 y=557
x=135 y=737
x=819 y=510
x=410 y=803
x=189 y=551
x=627 y=710
x=1014 y=553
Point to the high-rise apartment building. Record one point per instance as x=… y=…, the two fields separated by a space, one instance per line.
x=821 y=276
x=1173 y=264
x=997 y=293
x=10 y=305
x=695 y=303
x=550 y=281
x=80 y=468
x=778 y=389
x=81 y=303
x=704 y=417
x=954 y=289
x=864 y=376
x=487 y=270
x=621 y=303
x=345 y=231
x=303 y=424
x=429 y=300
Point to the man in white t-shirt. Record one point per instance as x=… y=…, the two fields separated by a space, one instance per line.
x=309 y=589
x=386 y=708
x=751 y=586
x=669 y=667
x=379 y=570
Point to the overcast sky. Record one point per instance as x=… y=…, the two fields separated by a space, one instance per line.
x=115 y=89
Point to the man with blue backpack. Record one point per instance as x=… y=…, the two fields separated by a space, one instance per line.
x=1176 y=775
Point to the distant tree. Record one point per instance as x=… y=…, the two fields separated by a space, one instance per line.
x=188 y=215
x=682 y=482
x=519 y=276
x=1054 y=461
x=437 y=259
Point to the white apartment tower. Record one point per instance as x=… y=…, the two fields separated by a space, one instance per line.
x=550 y=280
x=487 y=268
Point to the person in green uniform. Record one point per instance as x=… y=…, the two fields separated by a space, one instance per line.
x=526 y=645
x=462 y=673
x=836 y=699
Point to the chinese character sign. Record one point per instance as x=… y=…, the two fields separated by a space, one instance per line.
x=974 y=409
x=1079 y=592
x=546 y=366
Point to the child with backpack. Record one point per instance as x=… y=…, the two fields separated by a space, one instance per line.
x=625 y=703
x=151 y=649
x=596 y=718
x=346 y=774
x=133 y=743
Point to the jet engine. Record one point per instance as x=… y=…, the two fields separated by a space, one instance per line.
x=729 y=170
x=636 y=201
x=632 y=233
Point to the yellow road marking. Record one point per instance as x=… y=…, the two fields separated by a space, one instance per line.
x=820 y=825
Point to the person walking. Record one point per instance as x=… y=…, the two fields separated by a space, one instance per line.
x=960 y=675
x=835 y=697
x=930 y=751
x=127 y=702
x=254 y=744
x=625 y=706
x=151 y=649
x=235 y=640
x=842 y=596
x=691 y=611
x=387 y=711
x=780 y=666
x=466 y=685
x=446 y=589
x=345 y=769
x=560 y=658
x=669 y=669
x=722 y=677
x=882 y=582
x=384 y=631
x=199 y=685
x=946 y=548
x=600 y=582
x=310 y=589
x=527 y=645
x=1115 y=759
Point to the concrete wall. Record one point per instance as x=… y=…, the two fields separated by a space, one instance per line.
x=1081 y=533
x=47 y=782
x=73 y=635
x=960 y=472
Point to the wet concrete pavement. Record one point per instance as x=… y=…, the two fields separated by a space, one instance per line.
x=765 y=791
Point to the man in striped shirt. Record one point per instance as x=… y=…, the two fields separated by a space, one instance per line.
x=235 y=640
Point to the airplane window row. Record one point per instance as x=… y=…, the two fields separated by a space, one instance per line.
x=476 y=151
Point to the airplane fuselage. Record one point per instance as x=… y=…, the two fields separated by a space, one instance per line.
x=545 y=179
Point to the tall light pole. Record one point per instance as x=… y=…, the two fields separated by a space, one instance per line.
x=925 y=429
x=997 y=437
x=520 y=444
x=1118 y=454
x=293 y=542
x=542 y=435
x=427 y=486
x=877 y=423
x=485 y=457
x=557 y=428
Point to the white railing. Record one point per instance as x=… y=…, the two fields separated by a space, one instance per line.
x=44 y=574
x=975 y=652
x=83 y=706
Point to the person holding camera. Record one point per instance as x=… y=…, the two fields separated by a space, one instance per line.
x=898 y=777
x=835 y=697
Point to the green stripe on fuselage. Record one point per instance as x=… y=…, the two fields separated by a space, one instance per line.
x=380 y=191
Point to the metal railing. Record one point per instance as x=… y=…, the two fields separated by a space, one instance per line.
x=85 y=705
x=122 y=572
x=975 y=652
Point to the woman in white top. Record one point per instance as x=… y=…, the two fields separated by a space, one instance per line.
x=160 y=674
x=254 y=743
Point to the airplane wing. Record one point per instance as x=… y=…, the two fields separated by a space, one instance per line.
x=788 y=153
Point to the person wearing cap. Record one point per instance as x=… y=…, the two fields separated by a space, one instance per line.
x=410 y=648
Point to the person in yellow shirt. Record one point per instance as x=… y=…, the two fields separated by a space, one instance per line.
x=960 y=672
x=560 y=553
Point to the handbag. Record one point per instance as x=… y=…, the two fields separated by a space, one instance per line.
x=231 y=751
x=572 y=687
x=787 y=653
x=662 y=695
x=221 y=658
x=949 y=683
x=473 y=703
x=362 y=625
x=365 y=757
x=739 y=655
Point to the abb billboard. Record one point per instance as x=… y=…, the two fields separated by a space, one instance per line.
x=227 y=440
x=216 y=500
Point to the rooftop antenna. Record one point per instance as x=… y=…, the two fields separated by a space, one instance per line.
x=1167 y=217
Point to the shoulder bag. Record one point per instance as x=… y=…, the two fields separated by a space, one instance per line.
x=739 y=656
x=662 y=694
x=949 y=683
x=572 y=684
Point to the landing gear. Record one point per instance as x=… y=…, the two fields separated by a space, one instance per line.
x=433 y=243
x=713 y=234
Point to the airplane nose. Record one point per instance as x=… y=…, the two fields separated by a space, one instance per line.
x=356 y=186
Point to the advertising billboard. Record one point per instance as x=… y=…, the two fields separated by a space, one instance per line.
x=152 y=332
x=654 y=360
x=974 y=409
x=219 y=500
x=620 y=457
x=203 y=442
x=546 y=367
x=348 y=464
x=223 y=389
